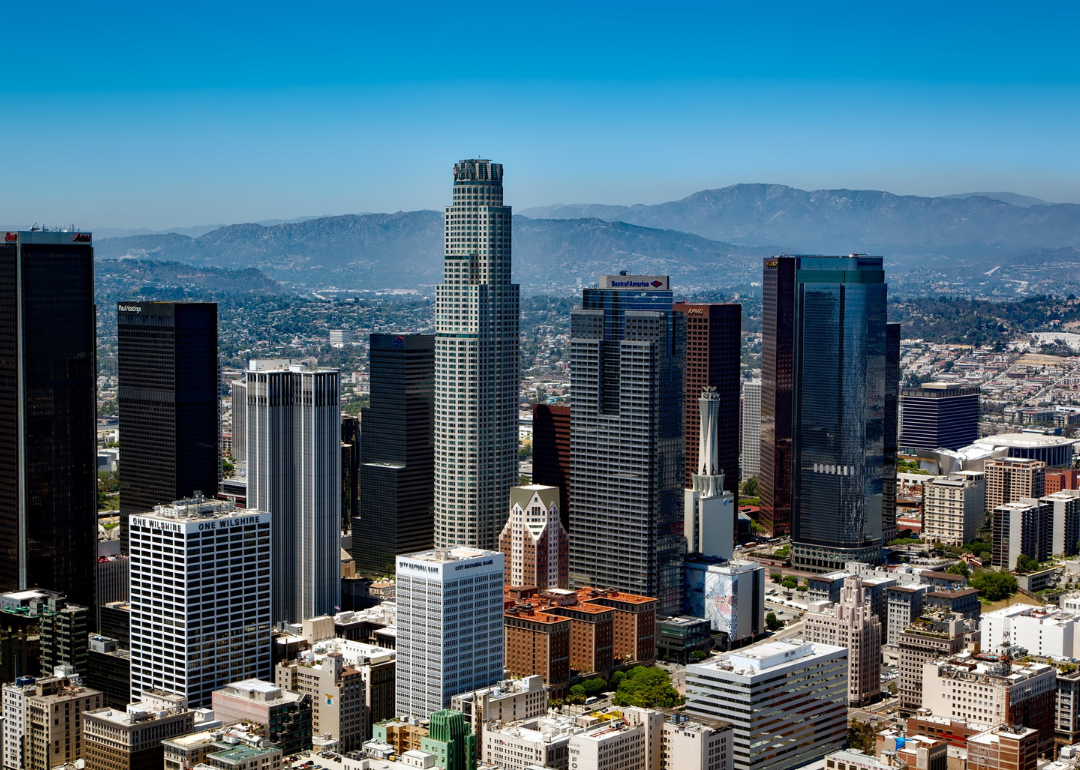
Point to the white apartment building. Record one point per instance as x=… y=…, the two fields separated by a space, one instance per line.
x=14 y=724
x=786 y=700
x=540 y=742
x=339 y=338
x=449 y=626
x=1064 y=508
x=750 y=461
x=611 y=744
x=852 y=624
x=293 y=426
x=186 y=558
x=338 y=708
x=986 y=692
x=1043 y=631
x=954 y=507
x=691 y=743
x=511 y=700
x=476 y=363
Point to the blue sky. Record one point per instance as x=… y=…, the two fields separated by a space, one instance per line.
x=173 y=114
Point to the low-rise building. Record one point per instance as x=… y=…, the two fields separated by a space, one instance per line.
x=730 y=595
x=609 y=744
x=241 y=757
x=1014 y=747
x=540 y=741
x=54 y=722
x=931 y=636
x=537 y=643
x=989 y=690
x=786 y=700
x=678 y=637
x=1042 y=631
x=286 y=715
x=339 y=711
x=110 y=671
x=131 y=739
x=401 y=736
x=509 y=701
x=694 y=743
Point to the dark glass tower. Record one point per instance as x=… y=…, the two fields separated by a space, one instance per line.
x=551 y=452
x=48 y=455
x=777 y=366
x=892 y=432
x=628 y=358
x=168 y=397
x=397 y=459
x=939 y=415
x=840 y=358
x=713 y=356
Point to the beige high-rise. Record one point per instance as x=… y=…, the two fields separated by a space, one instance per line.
x=1010 y=478
x=54 y=722
x=851 y=623
x=954 y=507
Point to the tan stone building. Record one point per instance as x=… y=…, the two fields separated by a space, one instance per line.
x=851 y=623
x=54 y=722
x=932 y=636
x=536 y=547
x=1004 y=748
x=508 y=701
x=1010 y=478
x=131 y=739
x=337 y=691
x=954 y=507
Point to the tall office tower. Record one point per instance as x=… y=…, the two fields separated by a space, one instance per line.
x=839 y=407
x=350 y=470
x=939 y=415
x=851 y=623
x=200 y=597
x=450 y=626
x=476 y=363
x=709 y=513
x=48 y=462
x=294 y=474
x=397 y=463
x=713 y=356
x=892 y=433
x=777 y=368
x=1009 y=479
x=626 y=439
x=551 y=452
x=238 y=392
x=750 y=461
x=167 y=364
x=533 y=541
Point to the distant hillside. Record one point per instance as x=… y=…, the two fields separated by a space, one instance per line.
x=404 y=250
x=147 y=279
x=842 y=221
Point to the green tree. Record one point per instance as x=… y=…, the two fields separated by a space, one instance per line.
x=750 y=487
x=647 y=688
x=960 y=568
x=772 y=622
x=1025 y=563
x=617 y=677
x=578 y=689
x=776 y=577
x=698 y=655
x=978 y=548
x=789 y=582
x=803 y=589
x=227 y=469
x=860 y=735
x=893 y=689
x=994 y=586
x=595 y=686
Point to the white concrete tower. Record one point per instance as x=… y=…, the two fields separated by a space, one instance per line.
x=709 y=513
x=476 y=364
x=709 y=479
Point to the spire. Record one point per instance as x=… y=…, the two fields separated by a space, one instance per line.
x=709 y=479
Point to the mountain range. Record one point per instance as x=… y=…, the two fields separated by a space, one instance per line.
x=713 y=238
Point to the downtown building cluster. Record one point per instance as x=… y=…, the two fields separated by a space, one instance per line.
x=242 y=627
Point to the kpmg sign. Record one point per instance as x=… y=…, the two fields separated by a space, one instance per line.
x=635 y=282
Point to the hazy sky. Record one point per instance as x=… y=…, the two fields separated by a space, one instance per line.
x=158 y=115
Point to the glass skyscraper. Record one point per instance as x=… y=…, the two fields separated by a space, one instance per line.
x=777 y=351
x=840 y=357
x=168 y=401
x=628 y=358
x=396 y=463
x=48 y=457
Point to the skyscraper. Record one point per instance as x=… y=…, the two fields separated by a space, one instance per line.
x=397 y=459
x=208 y=623
x=626 y=439
x=239 y=421
x=939 y=415
x=777 y=367
x=750 y=461
x=551 y=452
x=476 y=363
x=294 y=474
x=713 y=356
x=168 y=401
x=48 y=463
x=892 y=432
x=709 y=513
x=533 y=540
x=839 y=442
x=450 y=626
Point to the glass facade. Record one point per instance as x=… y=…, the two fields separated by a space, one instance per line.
x=777 y=366
x=398 y=456
x=167 y=362
x=48 y=458
x=627 y=353
x=839 y=411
